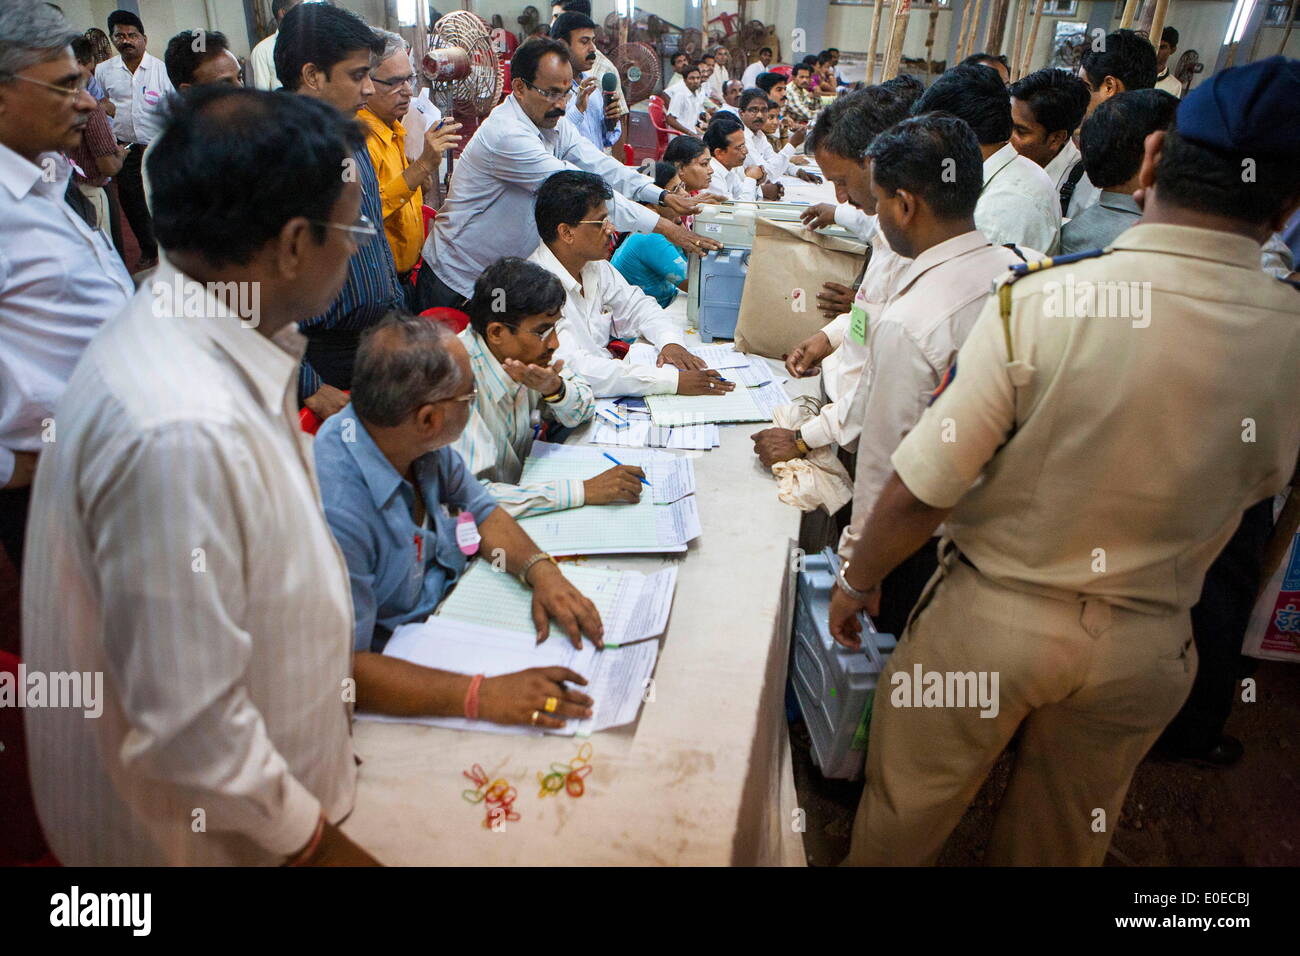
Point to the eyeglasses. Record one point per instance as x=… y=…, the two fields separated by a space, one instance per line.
x=78 y=86
x=593 y=222
x=467 y=397
x=543 y=332
x=754 y=109
x=555 y=96
x=122 y=37
x=363 y=227
x=392 y=84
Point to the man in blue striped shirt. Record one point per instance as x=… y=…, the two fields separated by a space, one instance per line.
x=325 y=52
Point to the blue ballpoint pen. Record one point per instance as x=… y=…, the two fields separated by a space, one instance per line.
x=617 y=462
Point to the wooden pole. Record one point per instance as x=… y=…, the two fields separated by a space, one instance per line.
x=1026 y=62
x=1022 y=12
x=1130 y=10
x=1158 y=24
x=1291 y=22
x=974 y=30
x=929 y=45
x=958 y=55
x=995 y=28
x=876 y=13
x=897 y=34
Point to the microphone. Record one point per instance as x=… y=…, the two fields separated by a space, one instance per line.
x=608 y=84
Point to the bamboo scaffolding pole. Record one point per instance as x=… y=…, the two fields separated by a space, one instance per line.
x=876 y=13
x=897 y=33
x=1158 y=23
x=974 y=29
x=1021 y=14
x=1026 y=62
x=929 y=46
x=961 y=31
x=1130 y=11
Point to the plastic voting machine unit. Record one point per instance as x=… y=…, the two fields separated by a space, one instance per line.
x=835 y=686
x=716 y=280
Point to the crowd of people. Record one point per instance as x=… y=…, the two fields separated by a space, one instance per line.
x=176 y=529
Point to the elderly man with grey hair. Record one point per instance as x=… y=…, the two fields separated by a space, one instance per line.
x=407 y=515
x=59 y=278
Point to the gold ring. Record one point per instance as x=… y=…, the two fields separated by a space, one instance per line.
x=536 y=714
x=551 y=704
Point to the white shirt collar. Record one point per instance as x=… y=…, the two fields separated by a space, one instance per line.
x=998 y=161
x=22 y=176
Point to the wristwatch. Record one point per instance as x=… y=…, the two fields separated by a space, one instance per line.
x=559 y=394
x=859 y=596
x=528 y=566
x=800 y=443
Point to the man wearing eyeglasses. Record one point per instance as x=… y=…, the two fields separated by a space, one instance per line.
x=402 y=184
x=489 y=209
x=326 y=52
x=59 y=278
x=138 y=85
x=407 y=515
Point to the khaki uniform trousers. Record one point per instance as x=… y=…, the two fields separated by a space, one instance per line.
x=1093 y=685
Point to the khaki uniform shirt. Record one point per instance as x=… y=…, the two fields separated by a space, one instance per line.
x=1114 y=454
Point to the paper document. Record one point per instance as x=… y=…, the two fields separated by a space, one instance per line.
x=699 y=437
x=768 y=397
x=616 y=677
x=670 y=476
x=753 y=374
x=717 y=356
x=634 y=435
x=633 y=606
x=734 y=406
x=642 y=528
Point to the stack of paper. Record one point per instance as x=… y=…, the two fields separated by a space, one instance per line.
x=733 y=406
x=633 y=607
x=616 y=678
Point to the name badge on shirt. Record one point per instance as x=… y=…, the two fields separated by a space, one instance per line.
x=858 y=324
x=467 y=536
x=152 y=97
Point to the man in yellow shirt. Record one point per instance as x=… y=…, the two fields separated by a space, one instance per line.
x=402 y=183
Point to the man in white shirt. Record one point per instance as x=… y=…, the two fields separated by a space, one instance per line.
x=1018 y=204
x=926 y=211
x=178 y=544
x=731 y=91
x=840 y=139
x=721 y=75
x=523 y=395
x=574 y=225
x=755 y=110
x=261 y=62
x=1047 y=106
x=1165 y=80
x=59 y=278
x=728 y=174
x=686 y=104
x=679 y=62
x=137 y=83
x=489 y=208
x=759 y=66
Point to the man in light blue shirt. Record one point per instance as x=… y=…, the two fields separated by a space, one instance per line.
x=389 y=485
x=587 y=110
x=489 y=209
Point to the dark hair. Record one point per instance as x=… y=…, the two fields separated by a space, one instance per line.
x=181 y=59
x=577 y=6
x=683 y=149
x=906 y=87
x=83 y=49
x=823 y=57
x=524 y=64
x=673 y=58
x=766 y=49
x=915 y=154
x=1058 y=99
x=566 y=197
x=1113 y=138
x=511 y=289
x=749 y=95
x=403 y=362
x=765 y=81
x=1125 y=55
x=832 y=49
x=566 y=23
x=974 y=94
x=801 y=65
x=848 y=126
x=984 y=59
x=721 y=127
x=1169 y=35
x=321 y=34
x=810 y=59
x=233 y=165
x=279 y=8
x=1206 y=180
x=664 y=172
x=126 y=18
x=708 y=55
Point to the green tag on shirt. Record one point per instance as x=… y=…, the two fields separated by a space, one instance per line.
x=858 y=324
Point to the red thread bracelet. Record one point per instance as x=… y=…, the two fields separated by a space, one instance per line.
x=310 y=850
x=471 y=697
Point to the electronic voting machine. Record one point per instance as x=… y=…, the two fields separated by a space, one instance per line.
x=835 y=686
x=716 y=280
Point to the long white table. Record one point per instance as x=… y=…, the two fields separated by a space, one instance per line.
x=702 y=778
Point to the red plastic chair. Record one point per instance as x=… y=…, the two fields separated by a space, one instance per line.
x=629 y=155
x=657 y=112
x=454 y=319
x=783 y=70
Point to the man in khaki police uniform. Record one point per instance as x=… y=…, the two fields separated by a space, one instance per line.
x=1089 y=460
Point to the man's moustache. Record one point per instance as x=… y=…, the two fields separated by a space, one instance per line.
x=554 y=114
